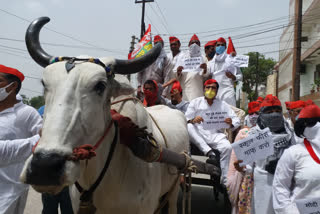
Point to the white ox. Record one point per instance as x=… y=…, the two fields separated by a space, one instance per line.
x=77 y=112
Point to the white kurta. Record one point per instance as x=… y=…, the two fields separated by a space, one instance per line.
x=18 y=122
x=226 y=90
x=191 y=82
x=297 y=176
x=205 y=140
x=15 y=151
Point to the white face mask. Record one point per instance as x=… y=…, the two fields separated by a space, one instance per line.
x=253 y=119
x=194 y=50
x=312 y=132
x=3 y=93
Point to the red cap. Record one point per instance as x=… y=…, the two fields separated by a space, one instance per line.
x=222 y=40
x=297 y=104
x=194 y=37
x=288 y=103
x=270 y=100
x=176 y=85
x=173 y=39
x=310 y=111
x=13 y=71
x=253 y=107
x=211 y=43
x=210 y=81
x=157 y=38
x=309 y=102
x=260 y=99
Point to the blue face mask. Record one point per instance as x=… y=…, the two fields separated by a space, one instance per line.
x=220 y=49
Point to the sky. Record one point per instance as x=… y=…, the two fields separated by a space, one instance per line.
x=104 y=28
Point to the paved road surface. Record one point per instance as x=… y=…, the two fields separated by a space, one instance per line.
x=202 y=202
x=34 y=204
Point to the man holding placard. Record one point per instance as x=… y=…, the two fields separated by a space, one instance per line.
x=191 y=70
x=225 y=72
x=206 y=117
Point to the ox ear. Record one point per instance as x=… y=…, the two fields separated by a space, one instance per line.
x=120 y=88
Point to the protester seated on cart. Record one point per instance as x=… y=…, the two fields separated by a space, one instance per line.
x=176 y=101
x=152 y=92
x=270 y=116
x=207 y=139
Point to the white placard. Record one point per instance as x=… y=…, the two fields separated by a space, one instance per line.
x=214 y=120
x=254 y=147
x=309 y=206
x=240 y=61
x=191 y=64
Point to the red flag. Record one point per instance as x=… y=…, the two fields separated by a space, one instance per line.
x=143 y=46
x=230 y=48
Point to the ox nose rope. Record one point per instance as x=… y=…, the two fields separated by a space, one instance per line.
x=86 y=198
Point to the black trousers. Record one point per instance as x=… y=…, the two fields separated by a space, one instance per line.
x=51 y=203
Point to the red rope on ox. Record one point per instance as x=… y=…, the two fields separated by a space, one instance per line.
x=87 y=151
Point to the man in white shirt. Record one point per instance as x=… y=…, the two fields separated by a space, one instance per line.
x=175 y=53
x=17 y=121
x=192 y=80
x=210 y=50
x=160 y=70
x=207 y=139
x=224 y=73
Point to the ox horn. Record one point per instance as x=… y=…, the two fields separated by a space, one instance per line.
x=136 y=65
x=33 y=44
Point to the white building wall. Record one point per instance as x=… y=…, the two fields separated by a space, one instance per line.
x=307 y=79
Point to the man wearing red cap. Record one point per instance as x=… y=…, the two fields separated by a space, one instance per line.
x=270 y=116
x=224 y=73
x=176 y=101
x=160 y=70
x=175 y=49
x=210 y=49
x=192 y=80
x=295 y=108
x=17 y=121
x=206 y=138
x=253 y=110
x=298 y=171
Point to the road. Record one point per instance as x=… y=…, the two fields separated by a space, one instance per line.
x=202 y=202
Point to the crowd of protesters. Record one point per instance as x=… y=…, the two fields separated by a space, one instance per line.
x=270 y=185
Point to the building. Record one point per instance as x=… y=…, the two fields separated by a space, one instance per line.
x=310 y=53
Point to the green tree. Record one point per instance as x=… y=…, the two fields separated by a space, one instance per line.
x=25 y=99
x=256 y=73
x=37 y=102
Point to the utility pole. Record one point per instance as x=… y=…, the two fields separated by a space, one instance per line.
x=257 y=76
x=143 y=28
x=132 y=43
x=297 y=50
